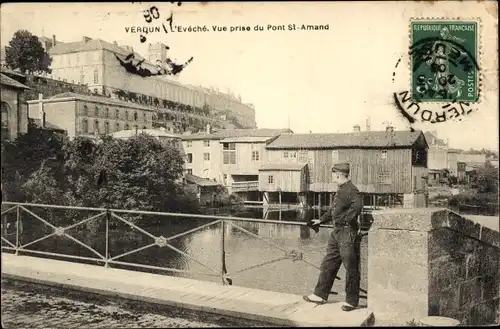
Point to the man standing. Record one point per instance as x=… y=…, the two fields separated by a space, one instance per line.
x=343 y=243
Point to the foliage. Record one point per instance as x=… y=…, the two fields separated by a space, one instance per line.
x=26 y=53
x=486 y=179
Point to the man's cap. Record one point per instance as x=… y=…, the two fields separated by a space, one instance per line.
x=341 y=167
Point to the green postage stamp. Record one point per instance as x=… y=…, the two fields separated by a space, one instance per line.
x=444 y=60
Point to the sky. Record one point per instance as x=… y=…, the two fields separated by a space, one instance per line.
x=310 y=81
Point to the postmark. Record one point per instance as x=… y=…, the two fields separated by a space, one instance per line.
x=443 y=62
x=438 y=79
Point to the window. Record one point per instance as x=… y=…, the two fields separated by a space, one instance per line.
x=144 y=117
x=5 y=120
x=106 y=113
x=206 y=156
x=255 y=155
x=206 y=143
x=285 y=154
x=85 y=110
x=224 y=178
x=144 y=127
x=383 y=154
x=189 y=143
x=270 y=179
x=293 y=155
x=335 y=156
x=117 y=126
x=190 y=157
x=96 y=127
x=302 y=156
x=189 y=171
x=135 y=116
x=384 y=177
x=117 y=114
x=96 y=76
x=96 y=111
x=127 y=127
x=106 y=127
x=229 y=153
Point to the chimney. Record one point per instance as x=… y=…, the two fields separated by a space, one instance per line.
x=389 y=129
x=115 y=43
x=85 y=39
x=54 y=41
x=209 y=128
x=356 y=128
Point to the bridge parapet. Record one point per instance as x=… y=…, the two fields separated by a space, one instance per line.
x=432 y=262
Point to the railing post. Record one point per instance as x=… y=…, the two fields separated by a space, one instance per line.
x=108 y=214
x=18 y=214
x=223 y=250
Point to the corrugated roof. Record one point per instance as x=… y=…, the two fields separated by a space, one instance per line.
x=97 y=99
x=282 y=166
x=6 y=81
x=364 y=139
x=200 y=180
x=228 y=133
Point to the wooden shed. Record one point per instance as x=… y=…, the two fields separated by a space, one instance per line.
x=290 y=177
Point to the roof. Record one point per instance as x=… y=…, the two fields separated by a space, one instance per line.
x=228 y=133
x=200 y=180
x=6 y=81
x=6 y=70
x=246 y=139
x=89 y=45
x=282 y=167
x=151 y=132
x=429 y=137
x=94 y=99
x=364 y=139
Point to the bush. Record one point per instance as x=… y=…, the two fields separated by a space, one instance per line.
x=474 y=199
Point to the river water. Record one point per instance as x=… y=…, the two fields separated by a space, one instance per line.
x=201 y=248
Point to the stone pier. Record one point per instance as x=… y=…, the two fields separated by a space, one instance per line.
x=432 y=262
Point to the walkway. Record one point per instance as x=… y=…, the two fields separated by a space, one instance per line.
x=252 y=304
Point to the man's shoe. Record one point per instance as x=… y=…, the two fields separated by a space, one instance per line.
x=314 y=299
x=348 y=307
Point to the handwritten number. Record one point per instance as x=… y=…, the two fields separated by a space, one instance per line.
x=170 y=21
x=147 y=16
x=154 y=12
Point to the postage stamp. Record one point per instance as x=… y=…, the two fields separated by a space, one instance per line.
x=444 y=60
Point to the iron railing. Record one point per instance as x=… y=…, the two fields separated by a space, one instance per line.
x=293 y=254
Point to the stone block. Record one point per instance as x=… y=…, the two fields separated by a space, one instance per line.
x=490 y=237
x=417 y=219
x=489 y=286
x=444 y=275
x=463 y=225
x=470 y=293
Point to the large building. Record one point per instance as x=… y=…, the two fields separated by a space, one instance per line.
x=231 y=157
x=94 y=62
x=438 y=152
x=14 y=109
x=87 y=115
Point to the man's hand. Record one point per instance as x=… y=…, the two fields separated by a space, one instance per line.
x=315 y=222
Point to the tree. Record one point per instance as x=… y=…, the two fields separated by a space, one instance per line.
x=487 y=179
x=25 y=52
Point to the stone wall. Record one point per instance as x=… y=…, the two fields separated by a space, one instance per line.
x=424 y=262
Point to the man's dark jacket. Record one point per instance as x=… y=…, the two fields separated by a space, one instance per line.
x=346 y=207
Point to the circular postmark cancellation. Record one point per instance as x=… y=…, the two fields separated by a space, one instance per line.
x=442 y=70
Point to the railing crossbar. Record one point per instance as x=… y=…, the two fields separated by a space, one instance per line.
x=194 y=230
x=6 y=211
x=38 y=217
x=133 y=225
x=61 y=255
x=151 y=267
x=7 y=241
x=180 y=215
x=132 y=251
x=85 y=246
x=257 y=237
x=37 y=240
x=84 y=221
x=192 y=258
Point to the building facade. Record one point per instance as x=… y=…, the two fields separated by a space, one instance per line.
x=85 y=115
x=14 y=113
x=231 y=157
x=382 y=163
x=93 y=62
x=438 y=152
